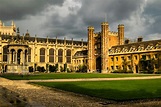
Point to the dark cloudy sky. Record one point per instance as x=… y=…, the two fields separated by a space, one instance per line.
x=70 y=18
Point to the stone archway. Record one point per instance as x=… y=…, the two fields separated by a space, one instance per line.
x=19 y=56
x=98 y=64
x=137 y=68
x=13 y=56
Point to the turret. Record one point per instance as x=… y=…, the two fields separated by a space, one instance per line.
x=1 y=23
x=104 y=47
x=91 y=62
x=121 y=34
x=27 y=34
x=12 y=23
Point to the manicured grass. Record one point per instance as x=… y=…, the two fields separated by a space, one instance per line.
x=112 y=90
x=44 y=76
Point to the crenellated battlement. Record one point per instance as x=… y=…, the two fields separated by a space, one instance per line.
x=104 y=23
x=90 y=27
x=121 y=25
x=112 y=33
x=8 y=30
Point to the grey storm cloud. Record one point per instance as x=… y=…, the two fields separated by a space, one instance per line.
x=92 y=12
x=19 y=9
x=153 y=13
x=63 y=18
x=115 y=10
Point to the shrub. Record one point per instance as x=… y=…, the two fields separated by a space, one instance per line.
x=122 y=71
x=53 y=68
x=40 y=69
x=31 y=69
x=158 y=72
x=61 y=69
x=130 y=71
x=147 y=72
x=82 y=69
x=68 y=70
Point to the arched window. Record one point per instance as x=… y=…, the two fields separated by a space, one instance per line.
x=42 y=55
x=29 y=54
x=68 y=56
x=5 y=50
x=51 y=55
x=13 y=56
x=60 y=55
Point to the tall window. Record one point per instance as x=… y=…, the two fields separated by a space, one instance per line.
x=5 y=50
x=51 y=55
x=60 y=55
x=29 y=55
x=42 y=55
x=68 y=56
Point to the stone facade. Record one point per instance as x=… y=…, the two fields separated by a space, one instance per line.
x=18 y=53
x=8 y=30
x=105 y=52
x=99 y=44
x=108 y=52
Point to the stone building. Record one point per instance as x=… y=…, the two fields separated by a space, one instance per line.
x=19 y=52
x=105 y=52
x=8 y=30
x=108 y=52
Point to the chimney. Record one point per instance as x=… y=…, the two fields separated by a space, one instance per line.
x=140 y=39
x=127 y=41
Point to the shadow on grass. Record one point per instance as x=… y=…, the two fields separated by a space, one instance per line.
x=109 y=94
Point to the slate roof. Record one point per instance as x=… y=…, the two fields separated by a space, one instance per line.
x=82 y=53
x=44 y=40
x=135 y=47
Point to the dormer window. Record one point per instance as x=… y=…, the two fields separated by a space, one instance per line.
x=149 y=47
x=116 y=51
x=124 y=50
x=132 y=49
x=158 y=46
x=111 y=51
x=140 y=48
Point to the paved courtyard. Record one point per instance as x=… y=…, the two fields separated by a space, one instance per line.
x=37 y=96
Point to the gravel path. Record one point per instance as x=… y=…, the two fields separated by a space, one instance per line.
x=38 y=96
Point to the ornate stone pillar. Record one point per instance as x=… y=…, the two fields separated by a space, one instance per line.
x=64 y=57
x=9 y=57
x=16 y=57
x=56 y=53
x=54 y=56
x=26 y=57
x=47 y=55
x=22 y=57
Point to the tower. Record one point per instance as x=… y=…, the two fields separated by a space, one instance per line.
x=91 y=57
x=1 y=23
x=104 y=47
x=121 y=34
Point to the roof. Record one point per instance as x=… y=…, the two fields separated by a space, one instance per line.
x=135 y=47
x=82 y=53
x=43 y=40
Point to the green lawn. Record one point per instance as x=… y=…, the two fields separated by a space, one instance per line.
x=43 y=76
x=112 y=90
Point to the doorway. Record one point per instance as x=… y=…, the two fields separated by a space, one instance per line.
x=98 y=64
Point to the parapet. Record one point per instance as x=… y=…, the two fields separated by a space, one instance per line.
x=112 y=33
x=104 y=23
x=90 y=27
x=120 y=25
